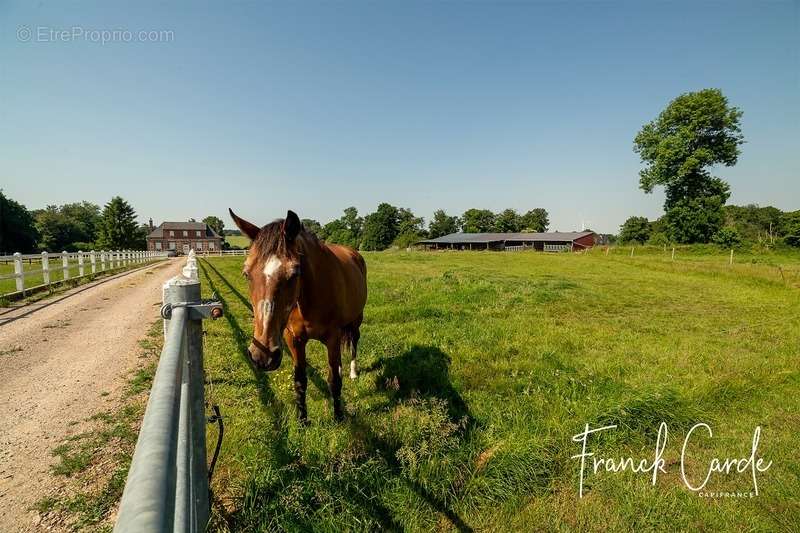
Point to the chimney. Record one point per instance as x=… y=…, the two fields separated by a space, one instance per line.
x=151 y=224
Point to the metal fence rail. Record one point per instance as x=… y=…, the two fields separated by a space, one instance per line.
x=167 y=485
x=65 y=263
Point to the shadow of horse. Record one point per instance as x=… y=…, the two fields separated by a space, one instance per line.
x=420 y=372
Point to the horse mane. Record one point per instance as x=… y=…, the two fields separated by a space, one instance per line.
x=270 y=241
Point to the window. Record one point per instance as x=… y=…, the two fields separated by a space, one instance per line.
x=172 y=245
x=171 y=233
x=197 y=234
x=199 y=245
x=210 y=245
x=185 y=233
x=158 y=246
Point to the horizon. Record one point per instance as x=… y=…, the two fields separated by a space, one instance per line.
x=318 y=107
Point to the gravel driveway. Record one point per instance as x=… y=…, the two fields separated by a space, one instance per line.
x=61 y=361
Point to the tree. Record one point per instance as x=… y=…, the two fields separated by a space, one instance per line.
x=695 y=220
x=216 y=224
x=68 y=227
x=507 y=221
x=410 y=228
x=727 y=237
x=442 y=224
x=312 y=225
x=477 y=221
x=536 y=220
x=695 y=131
x=380 y=228
x=635 y=229
x=118 y=228
x=345 y=230
x=17 y=228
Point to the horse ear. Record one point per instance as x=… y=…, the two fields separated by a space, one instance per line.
x=292 y=225
x=251 y=230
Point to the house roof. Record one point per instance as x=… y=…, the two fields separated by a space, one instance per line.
x=208 y=233
x=466 y=238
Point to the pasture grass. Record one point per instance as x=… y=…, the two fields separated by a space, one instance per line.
x=476 y=369
x=238 y=240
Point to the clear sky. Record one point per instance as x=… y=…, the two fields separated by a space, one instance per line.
x=318 y=106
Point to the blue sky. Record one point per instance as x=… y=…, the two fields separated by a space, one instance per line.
x=319 y=106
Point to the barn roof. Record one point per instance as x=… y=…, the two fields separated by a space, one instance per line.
x=466 y=238
x=158 y=233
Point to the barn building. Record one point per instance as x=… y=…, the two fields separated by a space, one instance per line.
x=180 y=237
x=555 y=241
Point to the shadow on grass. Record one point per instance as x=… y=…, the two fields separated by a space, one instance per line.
x=420 y=372
x=245 y=301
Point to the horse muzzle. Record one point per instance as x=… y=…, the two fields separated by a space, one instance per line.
x=263 y=357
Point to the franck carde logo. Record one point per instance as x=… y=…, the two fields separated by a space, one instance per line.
x=694 y=480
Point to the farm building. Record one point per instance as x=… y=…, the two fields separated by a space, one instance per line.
x=180 y=237
x=555 y=241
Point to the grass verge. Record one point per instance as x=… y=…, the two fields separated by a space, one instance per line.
x=92 y=465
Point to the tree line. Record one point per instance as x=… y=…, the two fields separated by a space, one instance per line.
x=390 y=226
x=70 y=227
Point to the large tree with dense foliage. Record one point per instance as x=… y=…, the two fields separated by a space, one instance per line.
x=215 y=223
x=17 y=227
x=443 y=224
x=68 y=227
x=536 y=220
x=380 y=228
x=696 y=131
x=635 y=229
x=507 y=220
x=118 y=228
x=477 y=221
x=312 y=225
x=345 y=230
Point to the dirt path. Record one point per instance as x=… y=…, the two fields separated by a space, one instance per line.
x=59 y=365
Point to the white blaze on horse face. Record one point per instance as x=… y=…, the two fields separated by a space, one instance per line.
x=271 y=266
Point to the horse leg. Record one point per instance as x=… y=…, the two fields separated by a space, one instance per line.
x=335 y=375
x=356 y=334
x=298 y=348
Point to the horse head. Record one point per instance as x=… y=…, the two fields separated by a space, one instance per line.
x=272 y=269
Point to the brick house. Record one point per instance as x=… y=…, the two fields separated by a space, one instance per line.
x=181 y=237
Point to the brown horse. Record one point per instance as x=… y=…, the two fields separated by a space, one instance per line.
x=303 y=289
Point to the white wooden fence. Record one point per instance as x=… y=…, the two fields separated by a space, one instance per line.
x=212 y=253
x=59 y=267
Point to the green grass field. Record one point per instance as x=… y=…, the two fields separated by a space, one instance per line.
x=478 y=368
x=238 y=240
